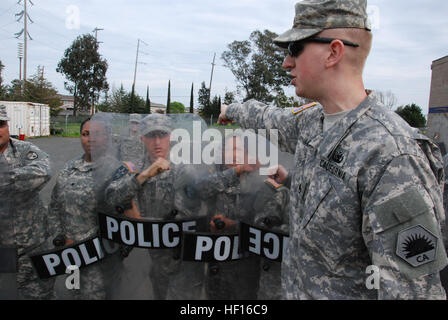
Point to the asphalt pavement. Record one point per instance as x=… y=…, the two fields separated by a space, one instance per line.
x=132 y=282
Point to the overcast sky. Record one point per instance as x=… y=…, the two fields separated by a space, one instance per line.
x=183 y=35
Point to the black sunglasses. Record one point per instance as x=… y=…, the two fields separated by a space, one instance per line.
x=3 y=123
x=295 y=48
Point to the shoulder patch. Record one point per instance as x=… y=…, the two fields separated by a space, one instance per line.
x=416 y=246
x=304 y=107
x=131 y=167
x=32 y=155
x=122 y=171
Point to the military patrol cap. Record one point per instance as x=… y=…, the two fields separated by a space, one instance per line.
x=155 y=122
x=3 y=114
x=135 y=118
x=314 y=16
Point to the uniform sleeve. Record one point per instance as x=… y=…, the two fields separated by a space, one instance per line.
x=34 y=174
x=55 y=211
x=272 y=212
x=122 y=188
x=256 y=115
x=402 y=231
x=215 y=182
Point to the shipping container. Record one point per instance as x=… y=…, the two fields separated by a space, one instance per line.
x=29 y=118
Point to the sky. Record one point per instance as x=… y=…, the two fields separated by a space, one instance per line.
x=180 y=38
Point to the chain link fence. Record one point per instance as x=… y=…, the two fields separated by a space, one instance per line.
x=66 y=126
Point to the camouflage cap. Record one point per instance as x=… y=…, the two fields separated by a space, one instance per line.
x=134 y=117
x=3 y=114
x=314 y=16
x=155 y=122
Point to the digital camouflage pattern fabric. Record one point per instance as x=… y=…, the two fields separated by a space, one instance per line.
x=162 y=197
x=314 y=16
x=353 y=189
x=29 y=171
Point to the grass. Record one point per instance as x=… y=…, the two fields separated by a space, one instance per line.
x=71 y=131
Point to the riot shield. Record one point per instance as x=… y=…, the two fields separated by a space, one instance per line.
x=8 y=251
x=177 y=177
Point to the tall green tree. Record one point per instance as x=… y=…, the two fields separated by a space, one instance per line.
x=2 y=87
x=132 y=101
x=148 y=102
x=257 y=66
x=38 y=89
x=413 y=115
x=177 y=107
x=168 y=99
x=203 y=98
x=191 y=100
x=85 y=70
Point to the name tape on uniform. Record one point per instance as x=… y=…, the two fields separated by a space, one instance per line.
x=207 y=247
x=263 y=242
x=81 y=254
x=143 y=233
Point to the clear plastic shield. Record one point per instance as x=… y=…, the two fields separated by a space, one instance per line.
x=176 y=175
x=8 y=251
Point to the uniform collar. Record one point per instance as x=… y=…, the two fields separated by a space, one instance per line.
x=327 y=142
x=82 y=165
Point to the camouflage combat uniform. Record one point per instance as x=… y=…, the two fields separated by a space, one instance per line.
x=29 y=171
x=273 y=214
x=131 y=149
x=356 y=190
x=161 y=197
x=239 y=199
x=73 y=214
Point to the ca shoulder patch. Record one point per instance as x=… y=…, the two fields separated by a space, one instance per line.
x=304 y=107
x=32 y=155
x=416 y=246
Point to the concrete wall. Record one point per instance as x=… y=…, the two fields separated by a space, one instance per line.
x=438 y=104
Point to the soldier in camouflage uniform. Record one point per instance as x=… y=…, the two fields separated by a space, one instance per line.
x=159 y=191
x=131 y=147
x=235 y=192
x=272 y=215
x=366 y=188
x=74 y=203
x=27 y=173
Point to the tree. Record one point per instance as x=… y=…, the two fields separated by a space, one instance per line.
x=257 y=66
x=229 y=97
x=413 y=115
x=191 y=100
x=177 y=107
x=203 y=97
x=38 y=90
x=84 y=67
x=168 y=99
x=387 y=98
x=148 y=102
x=2 y=87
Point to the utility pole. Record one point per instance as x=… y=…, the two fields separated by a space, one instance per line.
x=93 y=92
x=211 y=78
x=20 y=56
x=96 y=34
x=24 y=14
x=136 y=62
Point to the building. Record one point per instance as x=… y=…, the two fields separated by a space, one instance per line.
x=28 y=118
x=438 y=104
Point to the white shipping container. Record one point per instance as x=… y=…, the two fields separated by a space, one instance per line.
x=29 y=118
